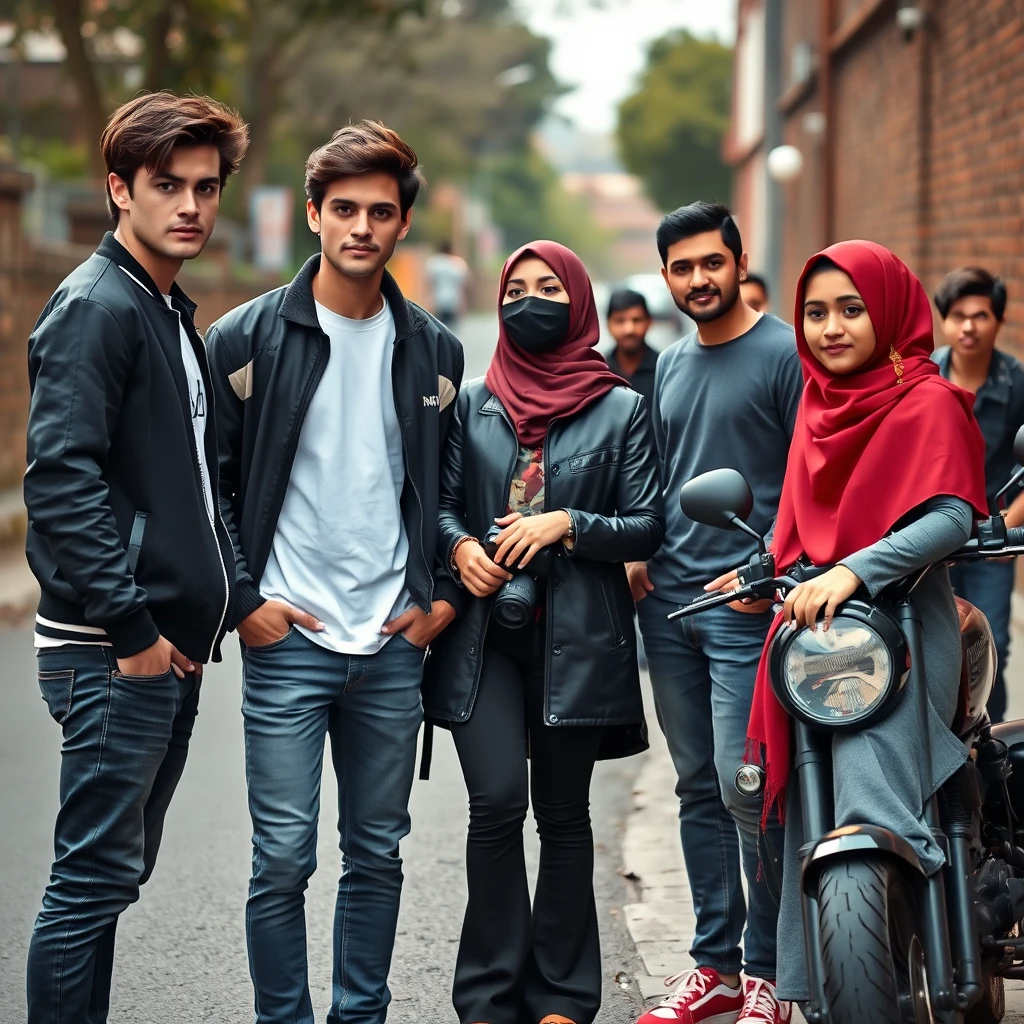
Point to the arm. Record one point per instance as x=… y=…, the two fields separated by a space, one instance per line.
x=789 y=386
x=635 y=533
x=445 y=587
x=79 y=364
x=944 y=526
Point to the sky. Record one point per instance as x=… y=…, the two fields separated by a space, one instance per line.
x=600 y=45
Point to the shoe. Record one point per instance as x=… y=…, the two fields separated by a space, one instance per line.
x=761 y=1005
x=701 y=997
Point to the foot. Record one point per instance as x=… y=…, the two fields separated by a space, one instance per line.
x=701 y=997
x=761 y=1005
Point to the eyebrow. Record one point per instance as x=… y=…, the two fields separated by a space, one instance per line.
x=383 y=203
x=839 y=298
x=540 y=280
x=706 y=256
x=177 y=180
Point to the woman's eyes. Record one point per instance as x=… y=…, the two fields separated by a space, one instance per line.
x=513 y=293
x=853 y=310
x=848 y=311
x=551 y=289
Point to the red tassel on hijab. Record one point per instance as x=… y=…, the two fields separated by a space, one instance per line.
x=537 y=388
x=868 y=448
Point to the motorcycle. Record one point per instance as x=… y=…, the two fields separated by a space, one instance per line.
x=886 y=944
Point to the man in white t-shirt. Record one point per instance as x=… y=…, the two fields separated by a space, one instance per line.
x=447 y=276
x=334 y=396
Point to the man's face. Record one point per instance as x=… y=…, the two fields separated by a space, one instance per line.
x=703 y=276
x=629 y=328
x=971 y=327
x=172 y=212
x=754 y=296
x=359 y=223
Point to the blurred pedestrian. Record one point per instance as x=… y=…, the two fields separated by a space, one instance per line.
x=448 y=279
x=632 y=358
x=554 y=456
x=726 y=395
x=125 y=536
x=972 y=304
x=754 y=292
x=333 y=421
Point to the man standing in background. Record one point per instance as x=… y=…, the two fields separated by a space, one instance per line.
x=754 y=292
x=632 y=358
x=972 y=304
x=447 y=278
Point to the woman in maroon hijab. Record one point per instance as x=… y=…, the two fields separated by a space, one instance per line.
x=549 y=485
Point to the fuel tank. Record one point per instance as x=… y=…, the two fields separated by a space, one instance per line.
x=977 y=668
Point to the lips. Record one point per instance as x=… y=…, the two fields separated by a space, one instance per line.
x=836 y=350
x=186 y=232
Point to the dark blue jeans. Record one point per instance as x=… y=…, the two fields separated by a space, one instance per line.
x=295 y=691
x=989 y=586
x=125 y=743
x=702 y=672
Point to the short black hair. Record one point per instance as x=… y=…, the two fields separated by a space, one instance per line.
x=695 y=219
x=971 y=281
x=625 y=298
x=759 y=281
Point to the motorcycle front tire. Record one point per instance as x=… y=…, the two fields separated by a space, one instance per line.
x=872 y=953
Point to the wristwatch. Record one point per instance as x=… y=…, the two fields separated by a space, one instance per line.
x=570 y=534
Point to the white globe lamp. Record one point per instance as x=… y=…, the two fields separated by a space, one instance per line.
x=785 y=163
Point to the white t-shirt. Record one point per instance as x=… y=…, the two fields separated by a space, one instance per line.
x=447 y=275
x=340 y=549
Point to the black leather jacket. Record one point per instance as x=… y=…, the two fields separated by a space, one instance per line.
x=602 y=466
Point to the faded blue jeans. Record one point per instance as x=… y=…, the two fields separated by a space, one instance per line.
x=125 y=743
x=295 y=691
x=702 y=672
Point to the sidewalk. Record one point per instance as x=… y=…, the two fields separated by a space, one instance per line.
x=662 y=923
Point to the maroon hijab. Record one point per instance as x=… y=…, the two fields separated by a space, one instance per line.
x=537 y=388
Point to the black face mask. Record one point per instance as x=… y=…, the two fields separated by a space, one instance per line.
x=535 y=324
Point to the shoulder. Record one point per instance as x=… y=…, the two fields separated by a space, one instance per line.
x=249 y=320
x=446 y=341
x=776 y=335
x=1012 y=366
x=94 y=293
x=472 y=395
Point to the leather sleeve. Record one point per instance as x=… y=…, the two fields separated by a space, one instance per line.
x=446 y=588
x=227 y=356
x=79 y=366
x=451 y=519
x=635 y=533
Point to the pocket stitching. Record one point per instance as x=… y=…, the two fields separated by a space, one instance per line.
x=52 y=676
x=273 y=643
x=607 y=455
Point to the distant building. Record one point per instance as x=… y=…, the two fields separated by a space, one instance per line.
x=907 y=116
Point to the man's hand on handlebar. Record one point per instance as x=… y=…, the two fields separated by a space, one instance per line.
x=729 y=582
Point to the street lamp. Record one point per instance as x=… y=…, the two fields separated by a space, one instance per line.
x=785 y=163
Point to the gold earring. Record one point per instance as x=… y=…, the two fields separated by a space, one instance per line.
x=897 y=363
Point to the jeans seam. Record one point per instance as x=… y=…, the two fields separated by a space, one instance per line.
x=345 y=816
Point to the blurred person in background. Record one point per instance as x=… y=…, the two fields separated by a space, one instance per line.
x=551 y=464
x=725 y=395
x=632 y=358
x=972 y=304
x=754 y=292
x=125 y=534
x=448 y=280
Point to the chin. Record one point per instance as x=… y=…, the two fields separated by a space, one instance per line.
x=184 y=249
x=705 y=316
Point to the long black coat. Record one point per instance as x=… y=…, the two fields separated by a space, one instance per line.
x=602 y=466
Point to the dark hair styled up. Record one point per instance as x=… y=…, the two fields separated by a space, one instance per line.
x=368 y=147
x=144 y=131
x=758 y=280
x=971 y=281
x=625 y=298
x=695 y=219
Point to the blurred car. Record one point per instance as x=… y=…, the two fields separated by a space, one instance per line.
x=659 y=301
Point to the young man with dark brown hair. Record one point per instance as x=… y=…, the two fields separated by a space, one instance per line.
x=124 y=533
x=334 y=396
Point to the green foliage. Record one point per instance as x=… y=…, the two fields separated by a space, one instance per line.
x=670 y=131
x=62 y=160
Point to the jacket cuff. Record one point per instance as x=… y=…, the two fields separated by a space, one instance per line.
x=133 y=633
x=446 y=589
x=246 y=600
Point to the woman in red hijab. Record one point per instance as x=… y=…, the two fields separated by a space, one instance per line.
x=549 y=485
x=885 y=476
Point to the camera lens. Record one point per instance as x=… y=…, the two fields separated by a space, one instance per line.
x=516 y=601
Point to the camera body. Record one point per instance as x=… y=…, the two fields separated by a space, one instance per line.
x=515 y=603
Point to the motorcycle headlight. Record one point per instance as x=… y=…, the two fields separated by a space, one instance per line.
x=845 y=678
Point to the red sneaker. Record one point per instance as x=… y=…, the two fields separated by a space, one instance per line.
x=761 y=1005
x=701 y=997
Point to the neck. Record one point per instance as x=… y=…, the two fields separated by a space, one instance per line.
x=737 y=321
x=630 y=361
x=972 y=367
x=356 y=298
x=161 y=269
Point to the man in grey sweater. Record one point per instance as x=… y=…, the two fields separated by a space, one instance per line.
x=725 y=395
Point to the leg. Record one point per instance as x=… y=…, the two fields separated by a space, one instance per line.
x=116 y=736
x=734 y=641
x=565 y=968
x=495 y=944
x=286 y=694
x=373 y=744
x=680 y=676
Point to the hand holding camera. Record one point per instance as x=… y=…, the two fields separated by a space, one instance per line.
x=522 y=537
x=479 y=574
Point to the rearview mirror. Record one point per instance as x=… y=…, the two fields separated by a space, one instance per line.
x=719 y=498
x=1018 y=447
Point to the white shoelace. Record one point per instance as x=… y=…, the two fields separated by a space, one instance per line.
x=760 y=999
x=691 y=983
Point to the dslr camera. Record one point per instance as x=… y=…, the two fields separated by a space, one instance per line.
x=515 y=603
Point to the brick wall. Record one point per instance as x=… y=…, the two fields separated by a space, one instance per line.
x=928 y=143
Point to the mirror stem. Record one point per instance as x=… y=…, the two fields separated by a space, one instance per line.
x=750 y=531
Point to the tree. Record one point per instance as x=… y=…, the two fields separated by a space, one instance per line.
x=670 y=131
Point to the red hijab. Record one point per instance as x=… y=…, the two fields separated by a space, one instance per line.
x=537 y=388
x=868 y=447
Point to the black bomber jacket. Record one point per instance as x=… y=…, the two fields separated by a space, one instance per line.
x=267 y=358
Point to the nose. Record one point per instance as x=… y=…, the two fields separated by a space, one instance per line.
x=362 y=224
x=968 y=327
x=189 y=203
x=698 y=279
x=834 y=326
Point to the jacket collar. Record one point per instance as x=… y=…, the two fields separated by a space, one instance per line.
x=299 y=306
x=111 y=249
x=998 y=384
